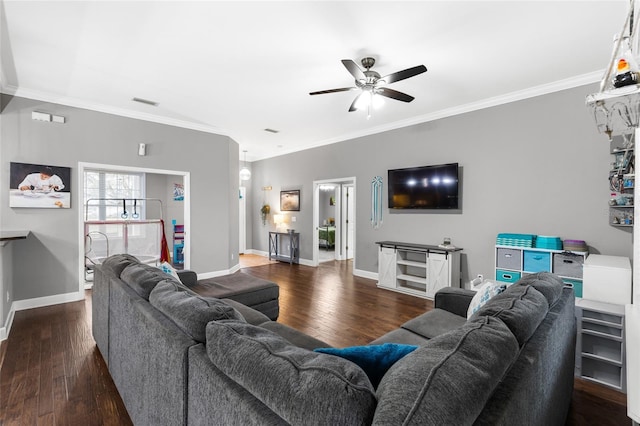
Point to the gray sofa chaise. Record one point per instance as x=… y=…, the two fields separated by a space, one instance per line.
x=180 y=358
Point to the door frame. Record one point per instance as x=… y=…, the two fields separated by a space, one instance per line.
x=186 y=180
x=339 y=222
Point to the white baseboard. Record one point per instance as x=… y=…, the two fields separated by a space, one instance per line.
x=38 y=302
x=213 y=274
x=4 y=331
x=365 y=274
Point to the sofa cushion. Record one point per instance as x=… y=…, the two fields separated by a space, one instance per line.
x=521 y=308
x=250 y=315
x=550 y=285
x=300 y=386
x=189 y=311
x=118 y=262
x=293 y=336
x=143 y=278
x=450 y=378
x=400 y=335
x=375 y=360
x=484 y=294
x=434 y=323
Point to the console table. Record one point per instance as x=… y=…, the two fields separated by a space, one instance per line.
x=284 y=246
x=417 y=269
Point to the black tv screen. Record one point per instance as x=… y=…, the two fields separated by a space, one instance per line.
x=428 y=187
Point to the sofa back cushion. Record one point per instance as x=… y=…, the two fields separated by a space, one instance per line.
x=189 y=311
x=299 y=385
x=550 y=285
x=143 y=278
x=450 y=378
x=521 y=308
x=117 y=263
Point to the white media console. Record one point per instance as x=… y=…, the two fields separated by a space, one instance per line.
x=417 y=269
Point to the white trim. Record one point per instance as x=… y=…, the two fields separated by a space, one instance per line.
x=4 y=331
x=543 y=89
x=305 y=262
x=213 y=274
x=38 y=302
x=260 y=252
x=186 y=180
x=123 y=112
x=365 y=274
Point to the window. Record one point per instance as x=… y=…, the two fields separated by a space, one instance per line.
x=114 y=186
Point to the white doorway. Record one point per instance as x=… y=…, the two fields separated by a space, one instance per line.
x=333 y=219
x=82 y=167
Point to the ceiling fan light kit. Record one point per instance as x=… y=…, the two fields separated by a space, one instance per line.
x=372 y=85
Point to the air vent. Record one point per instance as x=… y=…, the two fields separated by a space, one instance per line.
x=145 y=101
x=272 y=131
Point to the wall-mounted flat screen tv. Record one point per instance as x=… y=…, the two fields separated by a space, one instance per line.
x=428 y=187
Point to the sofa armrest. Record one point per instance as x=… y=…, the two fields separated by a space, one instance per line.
x=188 y=277
x=454 y=300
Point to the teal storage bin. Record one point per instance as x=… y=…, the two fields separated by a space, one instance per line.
x=576 y=284
x=537 y=261
x=507 y=276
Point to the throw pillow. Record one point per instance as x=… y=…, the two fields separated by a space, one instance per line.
x=168 y=269
x=375 y=360
x=486 y=292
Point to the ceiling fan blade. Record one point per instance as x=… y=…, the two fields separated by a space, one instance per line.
x=342 y=89
x=353 y=104
x=394 y=94
x=401 y=75
x=355 y=71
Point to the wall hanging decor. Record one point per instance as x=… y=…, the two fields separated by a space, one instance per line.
x=178 y=192
x=39 y=186
x=376 y=202
x=290 y=201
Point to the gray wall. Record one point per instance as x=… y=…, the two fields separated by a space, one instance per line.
x=326 y=210
x=95 y=137
x=535 y=166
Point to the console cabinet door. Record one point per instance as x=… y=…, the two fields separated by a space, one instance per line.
x=437 y=273
x=387 y=267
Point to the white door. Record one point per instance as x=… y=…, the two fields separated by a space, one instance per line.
x=242 y=241
x=387 y=267
x=437 y=273
x=350 y=222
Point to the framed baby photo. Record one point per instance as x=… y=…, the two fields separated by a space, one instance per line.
x=39 y=186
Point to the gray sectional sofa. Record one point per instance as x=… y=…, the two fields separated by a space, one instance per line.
x=180 y=358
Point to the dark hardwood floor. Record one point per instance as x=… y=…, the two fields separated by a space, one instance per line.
x=52 y=373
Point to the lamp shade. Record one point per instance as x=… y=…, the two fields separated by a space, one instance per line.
x=245 y=173
x=278 y=219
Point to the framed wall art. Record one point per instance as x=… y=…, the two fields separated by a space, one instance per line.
x=290 y=201
x=39 y=186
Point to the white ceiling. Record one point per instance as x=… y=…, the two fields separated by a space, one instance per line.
x=236 y=68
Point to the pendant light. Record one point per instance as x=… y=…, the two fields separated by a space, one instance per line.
x=245 y=173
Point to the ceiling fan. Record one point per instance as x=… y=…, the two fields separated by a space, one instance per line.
x=371 y=83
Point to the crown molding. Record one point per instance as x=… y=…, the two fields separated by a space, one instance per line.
x=77 y=103
x=544 y=89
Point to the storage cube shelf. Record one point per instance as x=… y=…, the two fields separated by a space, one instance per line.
x=512 y=263
x=600 y=343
